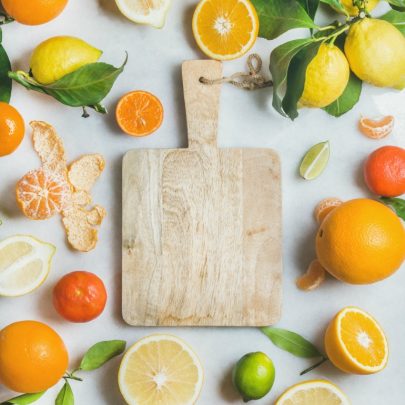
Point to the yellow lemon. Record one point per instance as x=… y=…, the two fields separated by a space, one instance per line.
x=376 y=53
x=59 y=56
x=326 y=77
x=353 y=10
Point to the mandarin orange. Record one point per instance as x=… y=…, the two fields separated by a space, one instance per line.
x=12 y=129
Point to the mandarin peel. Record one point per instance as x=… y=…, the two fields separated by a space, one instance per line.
x=313 y=278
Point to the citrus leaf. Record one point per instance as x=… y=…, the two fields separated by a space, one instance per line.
x=310 y=6
x=65 y=396
x=396 y=18
x=348 y=99
x=280 y=60
x=296 y=78
x=24 y=399
x=292 y=342
x=101 y=353
x=398 y=204
x=86 y=86
x=279 y=16
x=336 y=5
x=398 y=5
x=5 y=81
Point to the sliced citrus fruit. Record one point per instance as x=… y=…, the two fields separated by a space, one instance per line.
x=24 y=264
x=42 y=194
x=324 y=207
x=225 y=30
x=313 y=278
x=355 y=342
x=150 y=12
x=139 y=113
x=313 y=392
x=377 y=129
x=315 y=161
x=160 y=369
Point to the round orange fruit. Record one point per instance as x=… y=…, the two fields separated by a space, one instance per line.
x=33 y=357
x=34 y=12
x=12 y=129
x=361 y=242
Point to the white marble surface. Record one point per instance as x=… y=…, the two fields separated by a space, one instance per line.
x=247 y=121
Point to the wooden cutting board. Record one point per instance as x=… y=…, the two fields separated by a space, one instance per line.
x=202 y=225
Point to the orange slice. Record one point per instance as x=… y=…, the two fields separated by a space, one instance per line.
x=355 y=342
x=324 y=207
x=42 y=194
x=225 y=29
x=139 y=113
x=313 y=278
x=377 y=129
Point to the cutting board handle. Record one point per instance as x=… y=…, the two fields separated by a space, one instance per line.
x=202 y=101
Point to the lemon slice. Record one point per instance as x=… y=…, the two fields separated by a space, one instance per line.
x=160 y=369
x=24 y=264
x=313 y=392
x=150 y=12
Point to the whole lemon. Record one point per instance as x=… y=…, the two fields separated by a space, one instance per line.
x=326 y=77
x=353 y=10
x=58 y=56
x=361 y=242
x=376 y=53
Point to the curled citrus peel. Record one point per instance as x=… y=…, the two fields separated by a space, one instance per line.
x=313 y=278
x=377 y=129
x=56 y=188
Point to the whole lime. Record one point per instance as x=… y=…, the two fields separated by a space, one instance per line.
x=253 y=376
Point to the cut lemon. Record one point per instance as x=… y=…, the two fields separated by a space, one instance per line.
x=355 y=342
x=150 y=12
x=24 y=264
x=313 y=392
x=225 y=30
x=160 y=369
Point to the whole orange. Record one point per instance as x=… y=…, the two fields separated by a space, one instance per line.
x=12 y=129
x=384 y=171
x=34 y=12
x=80 y=296
x=361 y=242
x=33 y=357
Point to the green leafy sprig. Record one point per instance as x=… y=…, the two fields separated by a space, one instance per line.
x=95 y=357
x=398 y=205
x=5 y=66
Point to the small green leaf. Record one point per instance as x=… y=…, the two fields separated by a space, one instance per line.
x=24 y=399
x=310 y=6
x=292 y=342
x=336 y=5
x=396 y=18
x=296 y=78
x=398 y=204
x=280 y=60
x=398 y=5
x=65 y=396
x=5 y=81
x=101 y=353
x=279 y=16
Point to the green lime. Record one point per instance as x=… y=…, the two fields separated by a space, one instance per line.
x=315 y=161
x=58 y=56
x=253 y=376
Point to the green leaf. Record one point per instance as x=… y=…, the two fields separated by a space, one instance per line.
x=336 y=5
x=398 y=5
x=292 y=342
x=101 y=353
x=396 y=18
x=310 y=6
x=280 y=60
x=348 y=99
x=65 y=396
x=87 y=86
x=398 y=204
x=24 y=399
x=296 y=78
x=279 y=16
x=5 y=81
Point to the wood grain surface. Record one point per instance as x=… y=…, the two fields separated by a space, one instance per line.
x=202 y=225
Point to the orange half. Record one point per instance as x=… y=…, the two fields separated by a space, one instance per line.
x=225 y=29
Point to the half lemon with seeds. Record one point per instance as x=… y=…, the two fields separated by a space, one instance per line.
x=25 y=263
x=225 y=30
x=355 y=342
x=160 y=369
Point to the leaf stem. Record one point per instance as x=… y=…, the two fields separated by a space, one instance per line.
x=71 y=376
x=5 y=18
x=307 y=370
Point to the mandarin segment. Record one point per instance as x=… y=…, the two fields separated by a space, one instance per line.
x=313 y=278
x=377 y=129
x=324 y=207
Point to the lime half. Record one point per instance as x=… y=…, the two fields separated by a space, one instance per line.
x=315 y=161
